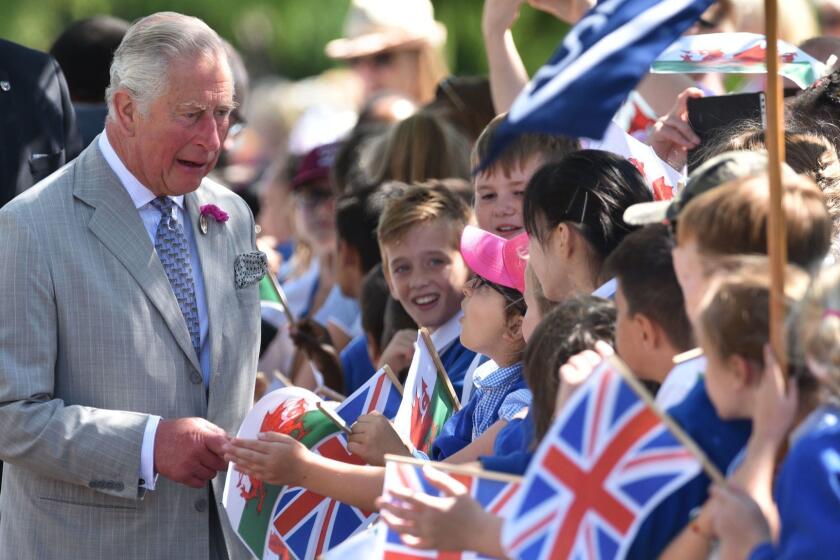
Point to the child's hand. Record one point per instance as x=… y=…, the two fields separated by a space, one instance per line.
x=274 y=458
x=373 y=436
x=577 y=370
x=499 y=15
x=400 y=350
x=569 y=11
x=737 y=521
x=776 y=404
x=439 y=522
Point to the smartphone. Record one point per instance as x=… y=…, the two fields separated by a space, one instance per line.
x=709 y=116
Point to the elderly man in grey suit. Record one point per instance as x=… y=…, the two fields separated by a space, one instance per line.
x=130 y=320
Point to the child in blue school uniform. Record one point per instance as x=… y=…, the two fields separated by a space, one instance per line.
x=571 y=327
x=801 y=518
x=416 y=235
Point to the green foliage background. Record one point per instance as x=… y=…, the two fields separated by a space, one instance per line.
x=285 y=37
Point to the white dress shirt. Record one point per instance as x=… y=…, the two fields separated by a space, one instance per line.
x=142 y=198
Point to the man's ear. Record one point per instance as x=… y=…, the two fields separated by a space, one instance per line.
x=126 y=112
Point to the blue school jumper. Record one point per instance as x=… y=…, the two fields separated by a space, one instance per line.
x=721 y=441
x=456 y=359
x=808 y=492
x=501 y=397
x=512 y=450
x=356 y=365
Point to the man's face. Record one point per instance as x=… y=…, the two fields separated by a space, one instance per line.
x=499 y=196
x=426 y=273
x=177 y=142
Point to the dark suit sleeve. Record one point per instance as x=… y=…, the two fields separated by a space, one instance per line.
x=72 y=138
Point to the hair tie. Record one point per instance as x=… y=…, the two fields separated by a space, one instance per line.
x=831 y=313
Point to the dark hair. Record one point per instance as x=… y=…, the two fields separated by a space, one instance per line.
x=465 y=102
x=356 y=219
x=396 y=319
x=547 y=147
x=346 y=173
x=590 y=188
x=84 y=52
x=575 y=325
x=515 y=301
x=373 y=300
x=645 y=270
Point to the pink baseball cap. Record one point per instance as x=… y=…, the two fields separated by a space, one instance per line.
x=495 y=258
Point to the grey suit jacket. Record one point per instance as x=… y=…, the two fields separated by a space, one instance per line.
x=91 y=342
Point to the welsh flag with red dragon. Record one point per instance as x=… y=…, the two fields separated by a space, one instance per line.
x=426 y=404
x=282 y=522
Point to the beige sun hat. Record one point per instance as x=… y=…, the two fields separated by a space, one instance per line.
x=373 y=26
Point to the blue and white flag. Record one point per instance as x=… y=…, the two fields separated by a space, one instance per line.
x=600 y=61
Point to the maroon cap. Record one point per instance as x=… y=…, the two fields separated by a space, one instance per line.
x=315 y=166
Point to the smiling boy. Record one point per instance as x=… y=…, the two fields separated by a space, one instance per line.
x=499 y=189
x=419 y=235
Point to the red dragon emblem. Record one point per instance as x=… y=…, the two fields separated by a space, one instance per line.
x=287 y=419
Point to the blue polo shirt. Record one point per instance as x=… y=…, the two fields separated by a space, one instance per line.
x=721 y=441
x=807 y=492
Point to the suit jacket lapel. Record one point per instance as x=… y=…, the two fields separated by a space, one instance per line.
x=117 y=225
x=212 y=252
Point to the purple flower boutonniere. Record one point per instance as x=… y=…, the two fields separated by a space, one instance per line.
x=212 y=211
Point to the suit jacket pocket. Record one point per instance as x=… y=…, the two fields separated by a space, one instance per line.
x=249 y=268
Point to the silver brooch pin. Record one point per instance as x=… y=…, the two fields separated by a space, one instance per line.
x=202 y=224
x=5 y=85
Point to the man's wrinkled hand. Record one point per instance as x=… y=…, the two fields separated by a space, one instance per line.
x=189 y=451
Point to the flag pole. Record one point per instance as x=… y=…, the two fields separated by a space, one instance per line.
x=774 y=139
x=441 y=371
x=685 y=439
x=454 y=469
x=393 y=377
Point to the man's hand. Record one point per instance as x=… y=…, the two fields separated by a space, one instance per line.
x=400 y=350
x=189 y=450
x=372 y=437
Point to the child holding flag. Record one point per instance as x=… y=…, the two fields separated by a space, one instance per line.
x=420 y=268
x=458 y=522
x=806 y=492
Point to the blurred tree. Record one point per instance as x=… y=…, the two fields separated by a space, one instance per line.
x=284 y=37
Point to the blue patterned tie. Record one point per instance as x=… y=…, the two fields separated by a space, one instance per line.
x=174 y=253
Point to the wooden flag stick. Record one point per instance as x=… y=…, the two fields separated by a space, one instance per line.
x=775 y=141
x=283 y=379
x=450 y=468
x=333 y=417
x=685 y=439
x=281 y=297
x=393 y=377
x=329 y=393
x=441 y=371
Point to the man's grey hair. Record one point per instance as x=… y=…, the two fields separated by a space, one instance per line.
x=141 y=62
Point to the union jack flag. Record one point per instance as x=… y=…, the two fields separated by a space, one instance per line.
x=493 y=491
x=282 y=522
x=607 y=461
x=309 y=524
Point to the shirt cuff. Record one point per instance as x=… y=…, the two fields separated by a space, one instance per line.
x=147 y=454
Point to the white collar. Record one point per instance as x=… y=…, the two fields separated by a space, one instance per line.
x=140 y=195
x=448 y=332
x=607 y=290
